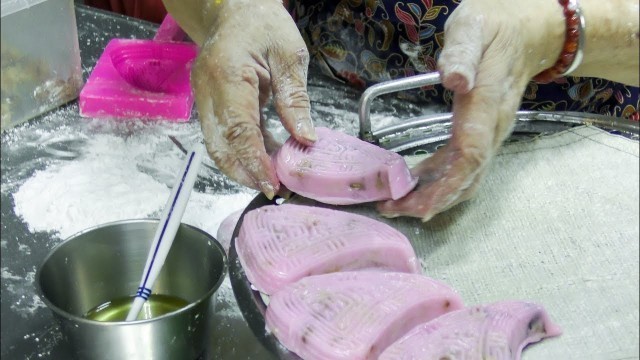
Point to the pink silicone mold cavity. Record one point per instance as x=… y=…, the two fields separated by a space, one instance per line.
x=151 y=66
x=142 y=78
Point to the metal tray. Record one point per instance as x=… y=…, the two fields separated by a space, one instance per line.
x=426 y=133
x=416 y=136
x=250 y=301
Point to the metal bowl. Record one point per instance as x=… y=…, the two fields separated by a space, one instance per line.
x=106 y=262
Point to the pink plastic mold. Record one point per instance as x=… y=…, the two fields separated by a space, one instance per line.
x=142 y=78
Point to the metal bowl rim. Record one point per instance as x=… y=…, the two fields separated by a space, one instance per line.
x=178 y=312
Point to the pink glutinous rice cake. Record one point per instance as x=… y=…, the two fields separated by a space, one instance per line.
x=354 y=315
x=498 y=331
x=280 y=244
x=341 y=169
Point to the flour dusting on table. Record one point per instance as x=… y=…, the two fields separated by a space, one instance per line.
x=27 y=302
x=207 y=211
x=85 y=193
x=115 y=179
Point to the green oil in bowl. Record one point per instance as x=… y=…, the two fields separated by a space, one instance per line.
x=117 y=309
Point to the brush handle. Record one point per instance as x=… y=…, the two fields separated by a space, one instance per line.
x=167 y=228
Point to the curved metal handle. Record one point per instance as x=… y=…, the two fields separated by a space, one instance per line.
x=571 y=117
x=412 y=82
x=416 y=132
x=387 y=87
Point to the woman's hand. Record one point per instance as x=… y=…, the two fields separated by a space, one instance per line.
x=251 y=50
x=492 y=49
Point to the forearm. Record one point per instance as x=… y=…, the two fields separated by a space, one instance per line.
x=198 y=17
x=612 y=40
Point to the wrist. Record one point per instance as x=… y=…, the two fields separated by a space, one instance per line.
x=611 y=44
x=571 y=52
x=610 y=47
x=200 y=18
x=224 y=10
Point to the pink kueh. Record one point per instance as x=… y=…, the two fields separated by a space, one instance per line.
x=146 y=79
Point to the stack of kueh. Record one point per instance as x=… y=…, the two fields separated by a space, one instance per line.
x=345 y=286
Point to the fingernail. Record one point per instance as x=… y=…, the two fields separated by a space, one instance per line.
x=268 y=189
x=390 y=215
x=427 y=216
x=307 y=131
x=458 y=81
x=383 y=209
x=304 y=127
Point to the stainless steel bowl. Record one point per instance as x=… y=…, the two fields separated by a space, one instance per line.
x=106 y=262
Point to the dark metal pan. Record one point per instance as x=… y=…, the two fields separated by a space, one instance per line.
x=425 y=134
x=250 y=301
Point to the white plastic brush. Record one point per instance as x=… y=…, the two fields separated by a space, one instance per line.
x=167 y=228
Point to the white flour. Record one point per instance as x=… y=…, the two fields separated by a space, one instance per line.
x=106 y=184
x=27 y=302
x=114 y=178
x=206 y=211
x=86 y=193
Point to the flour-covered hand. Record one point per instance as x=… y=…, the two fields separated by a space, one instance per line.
x=492 y=49
x=251 y=50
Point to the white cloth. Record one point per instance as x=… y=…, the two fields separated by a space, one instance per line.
x=556 y=222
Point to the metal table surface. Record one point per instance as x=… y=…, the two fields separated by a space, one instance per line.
x=28 y=328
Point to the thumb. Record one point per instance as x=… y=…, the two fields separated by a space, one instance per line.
x=466 y=38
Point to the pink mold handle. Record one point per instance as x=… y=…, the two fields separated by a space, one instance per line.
x=147 y=79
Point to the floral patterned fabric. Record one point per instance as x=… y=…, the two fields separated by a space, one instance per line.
x=363 y=42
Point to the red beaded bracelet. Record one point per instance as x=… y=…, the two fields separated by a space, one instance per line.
x=571 y=55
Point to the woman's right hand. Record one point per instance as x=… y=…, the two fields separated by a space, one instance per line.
x=251 y=50
x=492 y=49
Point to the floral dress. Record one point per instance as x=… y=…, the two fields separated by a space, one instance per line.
x=363 y=42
